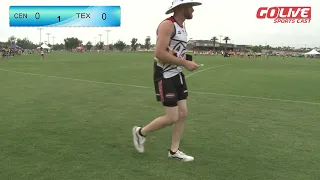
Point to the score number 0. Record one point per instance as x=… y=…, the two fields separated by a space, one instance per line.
x=103 y=16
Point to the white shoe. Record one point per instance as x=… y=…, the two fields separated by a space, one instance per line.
x=138 y=140
x=180 y=156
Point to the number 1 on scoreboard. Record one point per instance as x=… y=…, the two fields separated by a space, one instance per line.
x=58 y=18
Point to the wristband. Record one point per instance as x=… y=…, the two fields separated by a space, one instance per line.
x=188 y=57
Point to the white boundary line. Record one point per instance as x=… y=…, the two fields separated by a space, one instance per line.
x=206 y=69
x=146 y=87
x=255 y=97
x=75 y=79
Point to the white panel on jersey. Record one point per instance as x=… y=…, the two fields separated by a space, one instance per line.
x=178 y=43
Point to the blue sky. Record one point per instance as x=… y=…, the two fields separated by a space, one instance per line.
x=140 y=18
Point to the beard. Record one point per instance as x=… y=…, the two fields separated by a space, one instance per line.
x=188 y=15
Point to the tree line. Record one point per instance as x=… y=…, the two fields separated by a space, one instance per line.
x=73 y=42
x=259 y=48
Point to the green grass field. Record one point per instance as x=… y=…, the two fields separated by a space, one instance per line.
x=70 y=117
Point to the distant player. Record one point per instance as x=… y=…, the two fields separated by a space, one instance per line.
x=241 y=54
x=3 y=53
x=42 y=53
x=170 y=84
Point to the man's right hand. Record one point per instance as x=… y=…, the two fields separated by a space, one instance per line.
x=190 y=65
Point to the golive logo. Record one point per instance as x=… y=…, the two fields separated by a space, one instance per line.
x=285 y=14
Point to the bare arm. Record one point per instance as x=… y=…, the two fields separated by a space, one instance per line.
x=164 y=35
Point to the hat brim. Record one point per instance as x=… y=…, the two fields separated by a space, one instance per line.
x=169 y=11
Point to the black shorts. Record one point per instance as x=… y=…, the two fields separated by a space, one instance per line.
x=170 y=91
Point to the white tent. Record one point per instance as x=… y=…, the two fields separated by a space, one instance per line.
x=312 y=52
x=44 y=46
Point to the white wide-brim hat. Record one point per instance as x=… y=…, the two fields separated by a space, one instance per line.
x=176 y=3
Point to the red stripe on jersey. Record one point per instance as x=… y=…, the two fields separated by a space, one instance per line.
x=171 y=19
x=161 y=90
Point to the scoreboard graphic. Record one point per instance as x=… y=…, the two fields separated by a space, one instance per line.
x=65 y=16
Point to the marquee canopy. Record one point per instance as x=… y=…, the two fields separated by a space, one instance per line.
x=312 y=52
